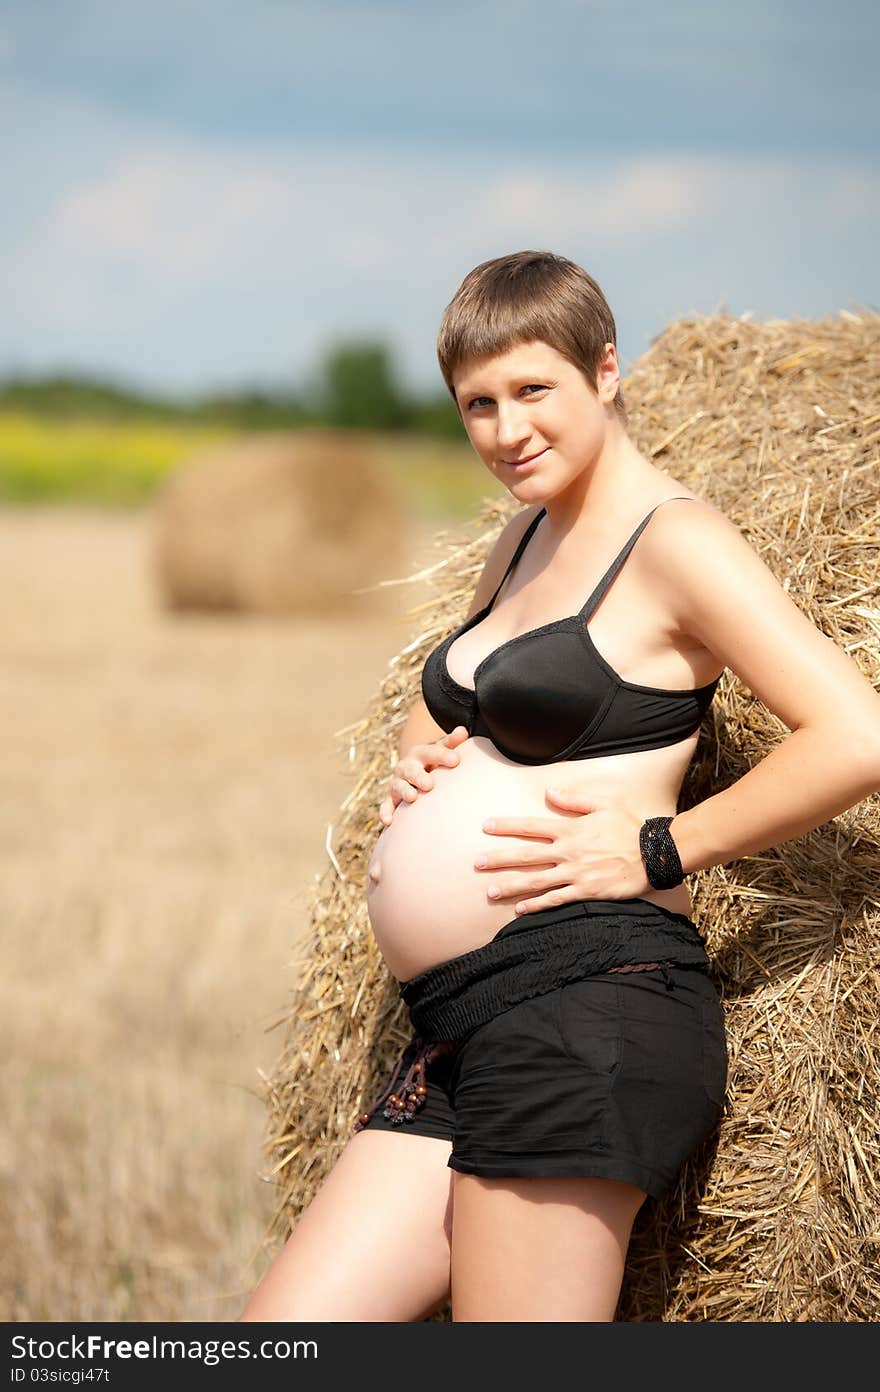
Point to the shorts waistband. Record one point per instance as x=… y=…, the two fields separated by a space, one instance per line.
x=541 y=951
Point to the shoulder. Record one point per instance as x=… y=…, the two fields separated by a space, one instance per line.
x=718 y=590
x=690 y=540
x=515 y=526
x=499 y=555
x=705 y=567
x=509 y=538
x=681 y=504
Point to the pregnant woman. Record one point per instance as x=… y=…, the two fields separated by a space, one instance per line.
x=528 y=888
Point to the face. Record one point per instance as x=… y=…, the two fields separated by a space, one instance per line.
x=531 y=401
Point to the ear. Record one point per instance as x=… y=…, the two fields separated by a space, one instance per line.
x=608 y=375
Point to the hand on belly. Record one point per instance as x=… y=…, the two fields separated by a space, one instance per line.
x=413 y=773
x=541 y=862
x=427 y=901
x=412 y=788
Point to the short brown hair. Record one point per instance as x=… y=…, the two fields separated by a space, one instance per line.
x=523 y=296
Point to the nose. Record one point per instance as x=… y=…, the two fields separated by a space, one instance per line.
x=513 y=430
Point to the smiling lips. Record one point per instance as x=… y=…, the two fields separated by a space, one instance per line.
x=514 y=463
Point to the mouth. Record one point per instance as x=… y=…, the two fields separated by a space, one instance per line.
x=518 y=463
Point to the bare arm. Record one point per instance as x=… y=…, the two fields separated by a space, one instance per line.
x=723 y=594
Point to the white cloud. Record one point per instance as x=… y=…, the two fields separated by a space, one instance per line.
x=180 y=215
x=185 y=257
x=177 y=218
x=629 y=202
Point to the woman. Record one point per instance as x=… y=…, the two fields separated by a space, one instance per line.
x=528 y=889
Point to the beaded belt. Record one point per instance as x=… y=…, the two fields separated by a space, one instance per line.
x=530 y=956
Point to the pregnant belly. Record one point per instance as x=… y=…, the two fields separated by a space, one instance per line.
x=425 y=900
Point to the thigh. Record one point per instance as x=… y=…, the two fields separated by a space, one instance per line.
x=539 y=1249
x=374 y=1243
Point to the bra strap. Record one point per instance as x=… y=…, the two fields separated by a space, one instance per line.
x=621 y=556
x=521 y=546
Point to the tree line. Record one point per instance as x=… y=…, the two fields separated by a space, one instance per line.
x=353 y=387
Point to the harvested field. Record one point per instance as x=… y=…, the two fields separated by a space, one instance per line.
x=167 y=785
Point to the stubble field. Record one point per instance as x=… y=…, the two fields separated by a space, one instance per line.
x=167 y=784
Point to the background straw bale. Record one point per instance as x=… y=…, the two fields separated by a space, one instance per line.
x=282 y=522
x=778 y=1217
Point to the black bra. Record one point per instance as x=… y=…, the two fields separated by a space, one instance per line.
x=548 y=694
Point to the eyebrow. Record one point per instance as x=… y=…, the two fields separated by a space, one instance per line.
x=520 y=380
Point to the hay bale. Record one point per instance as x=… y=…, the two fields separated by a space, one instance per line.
x=778 y=1217
x=278 y=523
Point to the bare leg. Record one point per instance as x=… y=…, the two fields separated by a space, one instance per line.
x=540 y=1249
x=374 y=1243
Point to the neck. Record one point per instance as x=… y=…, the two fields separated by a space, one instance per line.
x=603 y=495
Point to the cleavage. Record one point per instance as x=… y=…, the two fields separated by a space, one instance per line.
x=472 y=654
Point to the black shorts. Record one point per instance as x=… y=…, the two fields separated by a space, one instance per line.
x=620 y=1075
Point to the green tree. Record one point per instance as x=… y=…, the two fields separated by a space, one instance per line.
x=358 y=387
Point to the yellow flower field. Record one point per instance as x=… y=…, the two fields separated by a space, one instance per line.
x=91 y=461
x=119 y=464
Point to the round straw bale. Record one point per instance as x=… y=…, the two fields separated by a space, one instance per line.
x=282 y=522
x=778 y=1217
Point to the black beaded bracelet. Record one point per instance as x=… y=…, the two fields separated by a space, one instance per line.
x=660 y=854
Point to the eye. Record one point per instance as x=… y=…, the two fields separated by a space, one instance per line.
x=532 y=386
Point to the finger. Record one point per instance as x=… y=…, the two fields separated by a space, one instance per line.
x=545 y=901
x=456 y=736
x=522 y=826
x=386 y=810
x=506 y=860
x=415 y=775
x=405 y=791
x=440 y=757
x=550 y=882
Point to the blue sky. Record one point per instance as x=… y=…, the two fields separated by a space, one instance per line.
x=200 y=194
